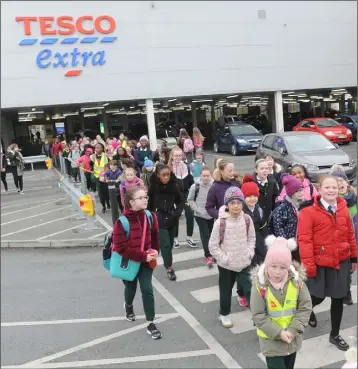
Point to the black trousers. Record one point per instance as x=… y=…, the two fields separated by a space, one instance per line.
x=281 y=362
x=3 y=180
x=336 y=313
x=103 y=193
x=17 y=179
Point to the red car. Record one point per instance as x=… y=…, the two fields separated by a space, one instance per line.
x=328 y=127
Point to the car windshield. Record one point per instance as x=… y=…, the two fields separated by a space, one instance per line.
x=323 y=123
x=243 y=130
x=306 y=143
x=354 y=118
x=162 y=133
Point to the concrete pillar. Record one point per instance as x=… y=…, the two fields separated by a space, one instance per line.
x=105 y=123
x=193 y=115
x=278 y=125
x=82 y=119
x=151 y=124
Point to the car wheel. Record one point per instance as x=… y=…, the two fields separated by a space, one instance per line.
x=233 y=150
x=216 y=147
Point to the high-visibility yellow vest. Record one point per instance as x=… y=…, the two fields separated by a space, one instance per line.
x=280 y=315
x=99 y=167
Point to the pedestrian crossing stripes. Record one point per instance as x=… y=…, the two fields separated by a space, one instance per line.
x=316 y=352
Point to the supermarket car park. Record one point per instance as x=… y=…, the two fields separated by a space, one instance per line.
x=245 y=73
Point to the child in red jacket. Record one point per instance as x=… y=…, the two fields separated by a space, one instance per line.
x=130 y=247
x=130 y=181
x=328 y=251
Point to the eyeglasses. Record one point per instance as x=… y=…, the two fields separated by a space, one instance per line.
x=142 y=198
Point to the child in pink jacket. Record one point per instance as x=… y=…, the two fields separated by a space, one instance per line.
x=85 y=162
x=130 y=181
x=309 y=190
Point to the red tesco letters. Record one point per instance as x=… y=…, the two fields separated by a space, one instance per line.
x=68 y=25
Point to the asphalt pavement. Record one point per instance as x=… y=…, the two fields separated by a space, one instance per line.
x=61 y=309
x=43 y=215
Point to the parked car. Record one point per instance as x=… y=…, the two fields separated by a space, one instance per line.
x=350 y=122
x=328 y=127
x=165 y=135
x=311 y=149
x=237 y=138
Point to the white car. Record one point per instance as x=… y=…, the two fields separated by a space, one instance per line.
x=164 y=135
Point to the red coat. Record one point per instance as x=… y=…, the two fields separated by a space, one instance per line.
x=323 y=239
x=56 y=148
x=130 y=249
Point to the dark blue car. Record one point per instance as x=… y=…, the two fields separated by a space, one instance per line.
x=237 y=138
x=349 y=121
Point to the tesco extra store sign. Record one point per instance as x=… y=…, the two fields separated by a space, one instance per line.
x=73 y=34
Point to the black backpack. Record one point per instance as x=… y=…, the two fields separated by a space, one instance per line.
x=196 y=193
x=270 y=220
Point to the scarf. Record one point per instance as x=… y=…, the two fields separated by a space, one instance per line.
x=180 y=170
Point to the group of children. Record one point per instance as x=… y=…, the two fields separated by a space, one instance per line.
x=250 y=226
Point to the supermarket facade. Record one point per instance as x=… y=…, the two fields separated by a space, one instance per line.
x=87 y=62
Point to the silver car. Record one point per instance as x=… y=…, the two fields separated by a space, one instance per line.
x=311 y=149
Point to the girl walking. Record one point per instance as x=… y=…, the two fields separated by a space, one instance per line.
x=130 y=247
x=300 y=172
x=15 y=165
x=166 y=200
x=277 y=288
x=232 y=244
x=251 y=207
x=3 y=170
x=328 y=251
x=184 y=180
x=267 y=187
x=98 y=161
x=198 y=194
x=349 y=194
x=130 y=181
x=198 y=139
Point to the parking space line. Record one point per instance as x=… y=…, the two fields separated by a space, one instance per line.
x=97 y=235
x=36 y=215
x=37 y=363
x=33 y=207
x=38 y=225
x=123 y=360
x=76 y=321
x=59 y=232
x=28 y=203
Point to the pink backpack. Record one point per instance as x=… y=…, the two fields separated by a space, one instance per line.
x=188 y=145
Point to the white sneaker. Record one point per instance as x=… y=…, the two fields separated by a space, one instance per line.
x=226 y=321
x=191 y=243
x=21 y=192
x=176 y=244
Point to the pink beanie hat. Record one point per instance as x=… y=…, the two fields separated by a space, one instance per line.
x=115 y=144
x=279 y=251
x=291 y=184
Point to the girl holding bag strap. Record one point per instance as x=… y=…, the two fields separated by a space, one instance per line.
x=142 y=245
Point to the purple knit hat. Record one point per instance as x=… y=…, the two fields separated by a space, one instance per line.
x=291 y=184
x=233 y=193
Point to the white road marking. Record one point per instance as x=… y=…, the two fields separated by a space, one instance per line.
x=317 y=352
x=194 y=273
x=123 y=360
x=76 y=321
x=29 y=203
x=184 y=256
x=36 y=215
x=97 y=235
x=243 y=319
x=33 y=207
x=39 y=225
x=209 y=294
x=37 y=363
x=198 y=328
x=59 y=232
x=213 y=344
